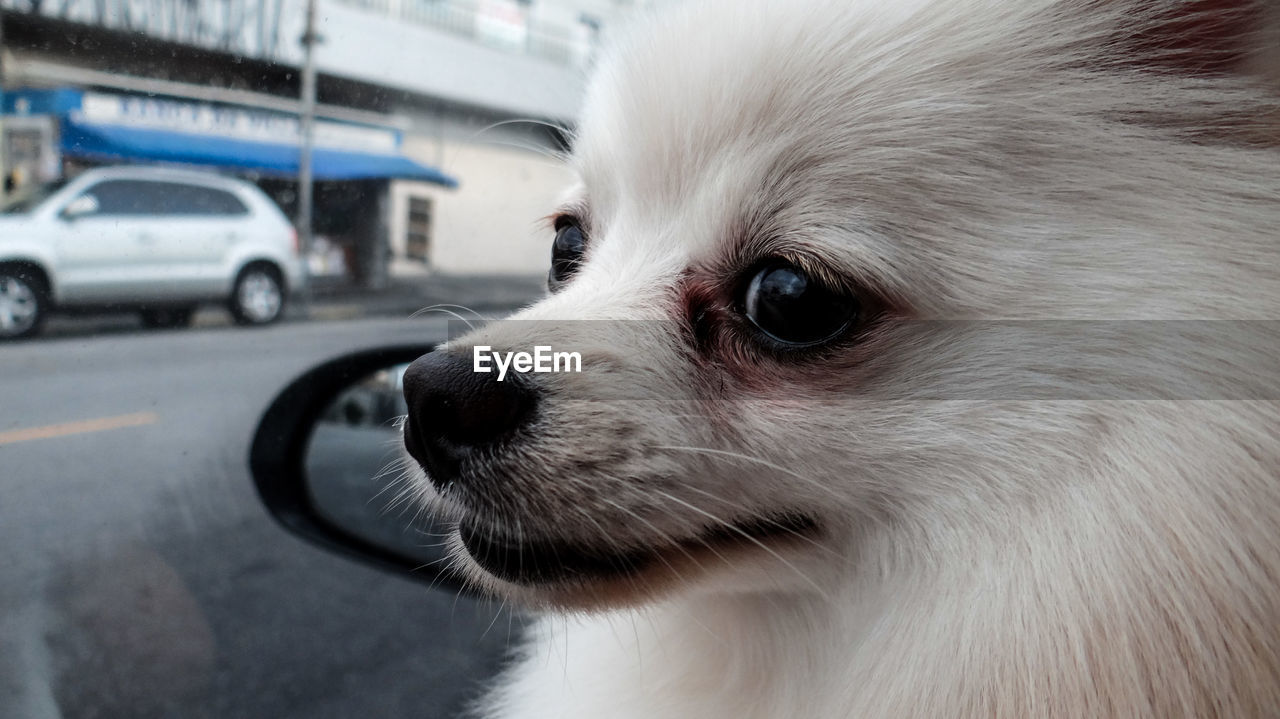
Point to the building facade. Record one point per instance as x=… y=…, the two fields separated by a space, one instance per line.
x=455 y=106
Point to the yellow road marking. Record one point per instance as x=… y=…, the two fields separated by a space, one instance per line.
x=101 y=424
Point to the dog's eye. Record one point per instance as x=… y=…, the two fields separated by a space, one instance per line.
x=566 y=251
x=783 y=302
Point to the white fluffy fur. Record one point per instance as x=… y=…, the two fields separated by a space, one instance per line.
x=966 y=159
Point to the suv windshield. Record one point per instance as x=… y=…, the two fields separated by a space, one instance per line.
x=29 y=202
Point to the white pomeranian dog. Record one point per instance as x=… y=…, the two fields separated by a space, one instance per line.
x=926 y=372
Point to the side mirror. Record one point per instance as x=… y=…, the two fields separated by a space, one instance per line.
x=323 y=461
x=80 y=207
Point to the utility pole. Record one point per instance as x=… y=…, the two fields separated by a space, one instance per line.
x=4 y=160
x=306 y=127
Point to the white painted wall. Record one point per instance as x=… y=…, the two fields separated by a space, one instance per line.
x=491 y=224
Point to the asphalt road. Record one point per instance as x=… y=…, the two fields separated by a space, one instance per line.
x=139 y=575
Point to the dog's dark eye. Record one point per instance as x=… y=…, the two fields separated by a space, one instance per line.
x=566 y=251
x=790 y=307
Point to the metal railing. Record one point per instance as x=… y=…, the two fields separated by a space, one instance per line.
x=249 y=28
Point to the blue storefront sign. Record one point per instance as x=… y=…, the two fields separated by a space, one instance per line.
x=122 y=128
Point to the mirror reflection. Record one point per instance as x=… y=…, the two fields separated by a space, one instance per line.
x=354 y=469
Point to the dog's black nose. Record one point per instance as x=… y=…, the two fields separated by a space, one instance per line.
x=454 y=410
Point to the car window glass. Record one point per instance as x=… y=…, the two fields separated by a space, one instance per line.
x=141 y=197
x=196 y=200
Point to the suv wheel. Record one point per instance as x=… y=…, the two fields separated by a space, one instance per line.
x=23 y=302
x=166 y=317
x=258 y=296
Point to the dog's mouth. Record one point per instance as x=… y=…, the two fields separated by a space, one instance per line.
x=543 y=562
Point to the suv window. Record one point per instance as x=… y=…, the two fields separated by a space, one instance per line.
x=145 y=197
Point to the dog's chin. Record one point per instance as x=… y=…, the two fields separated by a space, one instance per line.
x=564 y=574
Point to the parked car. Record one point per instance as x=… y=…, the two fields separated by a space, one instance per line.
x=153 y=240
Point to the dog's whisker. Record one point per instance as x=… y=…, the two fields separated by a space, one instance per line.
x=747 y=535
x=405 y=489
x=464 y=308
x=726 y=454
x=631 y=580
x=664 y=536
x=493 y=621
x=445 y=311
x=767 y=520
x=520 y=549
x=394 y=467
x=557 y=159
x=556 y=127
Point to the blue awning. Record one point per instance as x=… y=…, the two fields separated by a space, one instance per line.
x=119 y=143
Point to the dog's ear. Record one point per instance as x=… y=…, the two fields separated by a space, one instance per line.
x=1232 y=40
x=1206 y=37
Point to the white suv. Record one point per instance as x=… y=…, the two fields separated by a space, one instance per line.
x=154 y=240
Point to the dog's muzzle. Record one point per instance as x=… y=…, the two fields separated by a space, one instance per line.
x=455 y=412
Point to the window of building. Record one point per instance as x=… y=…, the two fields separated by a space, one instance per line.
x=418 y=229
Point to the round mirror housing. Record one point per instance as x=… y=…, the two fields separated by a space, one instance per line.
x=324 y=461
